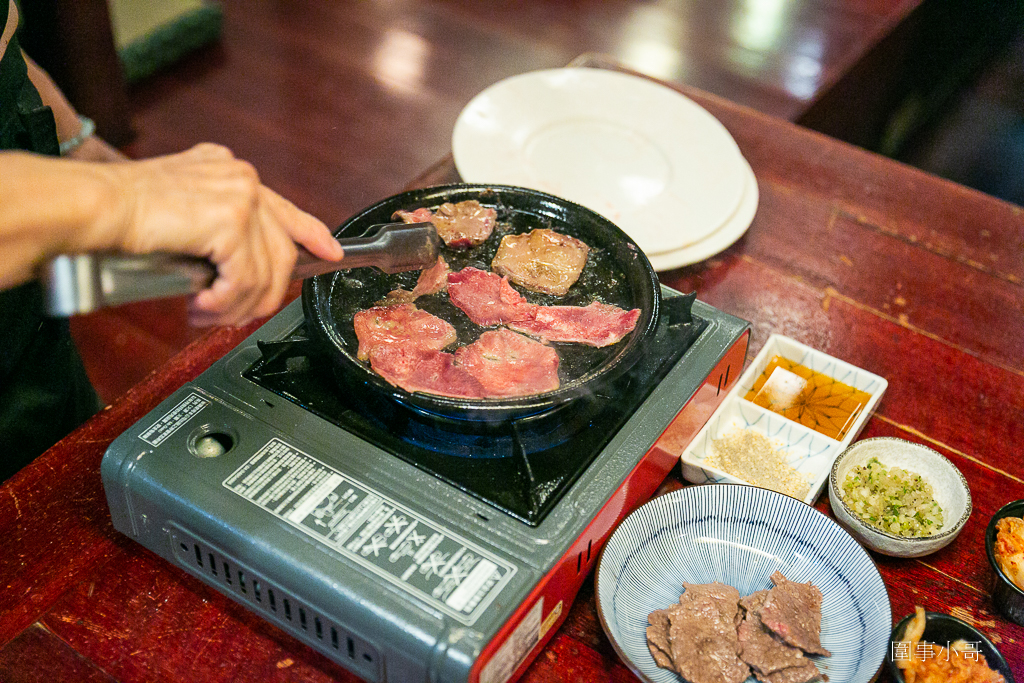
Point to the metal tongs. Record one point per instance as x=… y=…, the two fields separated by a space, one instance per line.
x=82 y=283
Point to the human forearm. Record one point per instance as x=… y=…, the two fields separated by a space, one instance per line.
x=51 y=206
x=63 y=113
x=202 y=202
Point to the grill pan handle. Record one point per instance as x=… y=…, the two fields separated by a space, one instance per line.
x=82 y=283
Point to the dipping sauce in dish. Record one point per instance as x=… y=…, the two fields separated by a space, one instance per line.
x=811 y=398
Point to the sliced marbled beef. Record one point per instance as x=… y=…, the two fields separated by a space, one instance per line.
x=460 y=225
x=433 y=372
x=541 y=260
x=401 y=325
x=431 y=281
x=597 y=325
x=792 y=611
x=508 y=364
x=487 y=298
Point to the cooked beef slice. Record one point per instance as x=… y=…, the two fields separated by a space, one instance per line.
x=460 y=225
x=724 y=596
x=702 y=633
x=657 y=639
x=541 y=260
x=752 y=602
x=762 y=651
x=796 y=674
x=792 y=611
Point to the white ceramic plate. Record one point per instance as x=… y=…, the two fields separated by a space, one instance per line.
x=646 y=157
x=720 y=239
x=739 y=535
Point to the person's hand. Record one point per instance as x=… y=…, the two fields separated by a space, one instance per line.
x=206 y=203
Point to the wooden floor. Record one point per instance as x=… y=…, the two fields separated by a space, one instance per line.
x=338 y=103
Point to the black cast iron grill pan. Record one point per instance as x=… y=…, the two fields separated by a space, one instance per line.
x=617 y=273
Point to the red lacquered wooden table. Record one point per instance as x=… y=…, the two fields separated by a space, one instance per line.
x=909 y=276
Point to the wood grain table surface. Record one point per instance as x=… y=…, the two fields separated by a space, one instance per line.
x=898 y=272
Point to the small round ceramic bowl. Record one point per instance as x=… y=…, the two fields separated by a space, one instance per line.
x=1007 y=597
x=948 y=485
x=943 y=629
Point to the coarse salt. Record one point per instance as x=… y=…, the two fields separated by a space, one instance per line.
x=750 y=456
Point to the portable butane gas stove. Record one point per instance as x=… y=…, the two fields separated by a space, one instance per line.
x=403 y=547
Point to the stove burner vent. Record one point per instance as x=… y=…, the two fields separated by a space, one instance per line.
x=268 y=600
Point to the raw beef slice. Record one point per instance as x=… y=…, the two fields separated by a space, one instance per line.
x=433 y=372
x=509 y=364
x=402 y=325
x=431 y=281
x=595 y=325
x=487 y=298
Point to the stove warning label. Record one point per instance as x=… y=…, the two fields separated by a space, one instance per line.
x=174 y=419
x=447 y=571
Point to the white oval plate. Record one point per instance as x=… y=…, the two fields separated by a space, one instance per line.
x=720 y=240
x=739 y=535
x=646 y=157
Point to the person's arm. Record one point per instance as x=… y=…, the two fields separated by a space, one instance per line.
x=69 y=125
x=202 y=202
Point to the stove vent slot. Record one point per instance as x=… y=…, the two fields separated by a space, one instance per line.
x=270 y=600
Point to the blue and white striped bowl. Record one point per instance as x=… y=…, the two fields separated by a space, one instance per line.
x=740 y=535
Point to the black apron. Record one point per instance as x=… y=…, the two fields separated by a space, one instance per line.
x=44 y=391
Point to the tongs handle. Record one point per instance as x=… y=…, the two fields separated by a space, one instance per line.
x=82 y=283
x=391 y=247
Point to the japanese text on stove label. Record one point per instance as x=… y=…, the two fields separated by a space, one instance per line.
x=174 y=419
x=514 y=650
x=447 y=571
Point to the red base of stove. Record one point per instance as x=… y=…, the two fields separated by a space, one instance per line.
x=557 y=590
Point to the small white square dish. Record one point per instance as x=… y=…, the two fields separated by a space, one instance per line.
x=794 y=406
x=808 y=453
x=834 y=389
